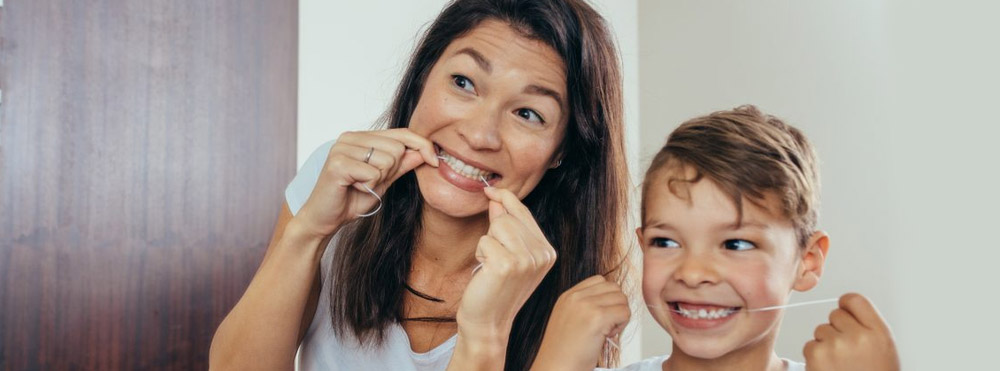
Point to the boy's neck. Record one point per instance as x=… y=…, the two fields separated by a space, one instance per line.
x=759 y=356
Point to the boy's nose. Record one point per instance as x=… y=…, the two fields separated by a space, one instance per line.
x=695 y=270
x=481 y=130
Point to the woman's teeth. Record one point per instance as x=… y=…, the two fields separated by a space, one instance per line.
x=464 y=169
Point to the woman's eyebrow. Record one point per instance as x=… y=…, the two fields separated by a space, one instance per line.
x=478 y=57
x=541 y=90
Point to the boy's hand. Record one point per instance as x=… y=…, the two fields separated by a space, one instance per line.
x=856 y=338
x=581 y=321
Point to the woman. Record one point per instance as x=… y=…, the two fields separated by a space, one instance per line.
x=504 y=152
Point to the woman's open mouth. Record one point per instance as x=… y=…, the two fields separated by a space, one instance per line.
x=464 y=169
x=463 y=174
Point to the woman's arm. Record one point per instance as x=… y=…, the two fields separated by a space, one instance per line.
x=263 y=330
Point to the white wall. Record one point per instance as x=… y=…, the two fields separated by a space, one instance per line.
x=352 y=53
x=899 y=99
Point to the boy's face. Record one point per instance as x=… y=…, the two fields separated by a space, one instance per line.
x=697 y=260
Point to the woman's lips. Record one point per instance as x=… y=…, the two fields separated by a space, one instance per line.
x=463 y=173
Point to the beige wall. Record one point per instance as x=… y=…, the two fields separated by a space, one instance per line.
x=899 y=100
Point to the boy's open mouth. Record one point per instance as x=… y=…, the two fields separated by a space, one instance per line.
x=702 y=311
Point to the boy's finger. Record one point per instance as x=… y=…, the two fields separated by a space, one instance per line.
x=843 y=321
x=863 y=310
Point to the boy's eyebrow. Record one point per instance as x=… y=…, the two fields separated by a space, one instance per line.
x=731 y=226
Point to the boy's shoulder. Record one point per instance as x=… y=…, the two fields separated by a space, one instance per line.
x=656 y=364
x=648 y=364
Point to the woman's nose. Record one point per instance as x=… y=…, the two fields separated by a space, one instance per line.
x=481 y=130
x=696 y=269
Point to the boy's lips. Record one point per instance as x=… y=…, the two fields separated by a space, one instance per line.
x=696 y=315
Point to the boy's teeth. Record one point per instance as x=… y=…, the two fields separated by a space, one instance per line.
x=706 y=313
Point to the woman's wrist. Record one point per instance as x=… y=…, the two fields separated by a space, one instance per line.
x=480 y=349
x=298 y=233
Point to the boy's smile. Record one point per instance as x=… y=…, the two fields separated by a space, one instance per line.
x=703 y=266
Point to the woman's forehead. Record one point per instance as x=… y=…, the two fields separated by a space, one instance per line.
x=503 y=48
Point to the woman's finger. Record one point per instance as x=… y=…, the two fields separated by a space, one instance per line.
x=491 y=253
x=382 y=161
x=413 y=141
x=511 y=205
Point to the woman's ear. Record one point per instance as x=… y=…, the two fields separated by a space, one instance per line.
x=638 y=233
x=812 y=259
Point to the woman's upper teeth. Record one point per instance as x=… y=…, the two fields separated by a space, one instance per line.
x=464 y=169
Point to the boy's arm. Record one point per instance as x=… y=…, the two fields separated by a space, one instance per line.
x=581 y=321
x=856 y=338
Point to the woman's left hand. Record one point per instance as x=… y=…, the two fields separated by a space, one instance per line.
x=515 y=256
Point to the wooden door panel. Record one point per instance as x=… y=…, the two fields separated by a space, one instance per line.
x=144 y=147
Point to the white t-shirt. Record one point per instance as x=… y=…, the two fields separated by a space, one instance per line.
x=321 y=349
x=656 y=364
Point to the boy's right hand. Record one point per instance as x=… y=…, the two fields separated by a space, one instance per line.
x=339 y=197
x=856 y=338
x=583 y=318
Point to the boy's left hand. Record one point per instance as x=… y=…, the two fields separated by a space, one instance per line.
x=856 y=338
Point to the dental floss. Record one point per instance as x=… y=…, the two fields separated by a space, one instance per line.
x=377 y=197
x=484 y=181
x=829 y=300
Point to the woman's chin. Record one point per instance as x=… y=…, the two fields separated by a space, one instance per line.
x=442 y=196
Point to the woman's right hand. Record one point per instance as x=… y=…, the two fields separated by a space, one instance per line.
x=339 y=196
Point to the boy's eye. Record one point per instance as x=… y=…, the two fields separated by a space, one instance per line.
x=664 y=243
x=529 y=115
x=739 y=245
x=463 y=83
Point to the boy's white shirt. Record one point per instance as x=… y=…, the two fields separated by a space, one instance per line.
x=656 y=364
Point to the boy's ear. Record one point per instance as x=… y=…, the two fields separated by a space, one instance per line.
x=813 y=257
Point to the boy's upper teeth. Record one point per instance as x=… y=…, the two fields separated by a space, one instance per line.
x=464 y=169
x=706 y=313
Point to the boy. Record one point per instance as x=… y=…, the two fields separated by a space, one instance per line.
x=729 y=216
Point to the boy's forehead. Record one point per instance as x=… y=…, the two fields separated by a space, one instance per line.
x=677 y=193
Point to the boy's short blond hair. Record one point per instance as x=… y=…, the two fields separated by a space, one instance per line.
x=747 y=154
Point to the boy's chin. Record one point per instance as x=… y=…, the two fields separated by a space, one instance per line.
x=703 y=349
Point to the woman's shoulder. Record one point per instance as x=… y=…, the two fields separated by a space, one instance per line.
x=301 y=186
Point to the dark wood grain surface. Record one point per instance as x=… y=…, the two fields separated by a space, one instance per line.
x=144 y=147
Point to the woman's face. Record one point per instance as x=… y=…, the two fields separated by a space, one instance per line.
x=495 y=107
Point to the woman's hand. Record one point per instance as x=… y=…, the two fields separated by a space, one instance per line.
x=339 y=196
x=515 y=256
x=583 y=318
x=856 y=338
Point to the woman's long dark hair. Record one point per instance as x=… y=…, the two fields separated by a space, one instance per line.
x=580 y=206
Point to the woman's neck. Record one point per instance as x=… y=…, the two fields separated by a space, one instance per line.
x=758 y=356
x=447 y=244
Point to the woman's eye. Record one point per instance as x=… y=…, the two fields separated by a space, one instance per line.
x=664 y=242
x=739 y=245
x=530 y=115
x=463 y=83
